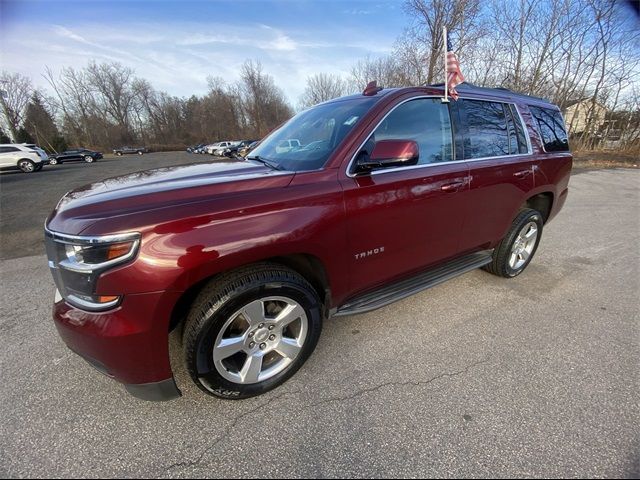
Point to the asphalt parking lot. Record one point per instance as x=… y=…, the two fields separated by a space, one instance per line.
x=27 y=199
x=479 y=377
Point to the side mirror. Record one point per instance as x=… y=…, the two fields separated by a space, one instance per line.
x=390 y=153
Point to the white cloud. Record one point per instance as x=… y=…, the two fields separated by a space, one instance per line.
x=178 y=57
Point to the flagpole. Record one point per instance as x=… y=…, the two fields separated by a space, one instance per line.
x=446 y=71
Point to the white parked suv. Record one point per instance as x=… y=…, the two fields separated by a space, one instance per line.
x=220 y=147
x=26 y=157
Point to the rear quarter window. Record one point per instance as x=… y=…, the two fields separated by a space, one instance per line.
x=551 y=128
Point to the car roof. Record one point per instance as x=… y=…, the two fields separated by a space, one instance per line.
x=499 y=93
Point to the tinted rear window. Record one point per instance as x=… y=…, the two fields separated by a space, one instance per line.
x=551 y=128
x=487 y=134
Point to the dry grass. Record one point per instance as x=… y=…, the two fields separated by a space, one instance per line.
x=605 y=159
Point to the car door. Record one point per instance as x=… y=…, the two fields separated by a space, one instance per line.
x=8 y=157
x=403 y=219
x=500 y=165
x=70 y=155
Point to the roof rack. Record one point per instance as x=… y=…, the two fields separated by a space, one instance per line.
x=471 y=86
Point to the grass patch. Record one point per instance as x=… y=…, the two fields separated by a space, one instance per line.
x=604 y=159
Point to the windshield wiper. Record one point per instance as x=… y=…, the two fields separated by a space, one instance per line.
x=272 y=165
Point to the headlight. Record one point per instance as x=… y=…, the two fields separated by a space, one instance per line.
x=77 y=262
x=88 y=257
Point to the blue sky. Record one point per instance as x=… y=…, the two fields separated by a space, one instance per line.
x=177 y=44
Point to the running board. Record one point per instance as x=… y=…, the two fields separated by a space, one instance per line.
x=405 y=288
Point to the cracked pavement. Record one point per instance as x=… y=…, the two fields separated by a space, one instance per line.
x=478 y=377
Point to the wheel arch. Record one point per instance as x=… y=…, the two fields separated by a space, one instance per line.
x=542 y=202
x=307 y=265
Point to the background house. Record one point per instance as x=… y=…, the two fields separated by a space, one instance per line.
x=582 y=116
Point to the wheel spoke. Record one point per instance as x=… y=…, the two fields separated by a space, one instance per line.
x=531 y=234
x=513 y=260
x=228 y=347
x=254 y=312
x=524 y=256
x=289 y=314
x=251 y=370
x=288 y=348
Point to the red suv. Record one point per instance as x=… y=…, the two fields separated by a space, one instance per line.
x=380 y=196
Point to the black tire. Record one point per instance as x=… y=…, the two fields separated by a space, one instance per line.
x=220 y=299
x=54 y=161
x=26 y=165
x=89 y=159
x=500 y=264
x=140 y=153
x=119 y=154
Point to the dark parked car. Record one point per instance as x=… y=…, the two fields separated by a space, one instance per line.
x=75 y=155
x=398 y=192
x=244 y=151
x=234 y=150
x=195 y=148
x=130 y=150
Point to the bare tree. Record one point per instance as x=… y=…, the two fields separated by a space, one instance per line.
x=263 y=102
x=322 y=87
x=15 y=92
x=461 y=17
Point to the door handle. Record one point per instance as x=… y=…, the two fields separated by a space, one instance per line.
x=451 y=187
x=522 y=174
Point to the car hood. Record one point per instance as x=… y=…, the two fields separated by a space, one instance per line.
x=160 y=188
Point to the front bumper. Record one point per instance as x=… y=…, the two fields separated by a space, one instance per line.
x=129 y=343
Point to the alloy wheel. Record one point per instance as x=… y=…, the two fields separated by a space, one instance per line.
x=260 y=340
x=523 y=245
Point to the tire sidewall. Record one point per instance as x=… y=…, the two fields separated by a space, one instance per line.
x=208 y=377
x=532 y=216
x=89 y=159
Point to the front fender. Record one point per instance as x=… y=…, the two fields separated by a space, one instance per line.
x=304 y=218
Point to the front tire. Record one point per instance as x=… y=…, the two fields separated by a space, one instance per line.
x=89 y=159
x=250 y=330
x=517 y=248
x=140 y=153
x=53 y=161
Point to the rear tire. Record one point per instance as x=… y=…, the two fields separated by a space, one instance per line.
x=26 y=166
x=53 y=161
x=140 y=153
x=269 y=309
x=517 y=248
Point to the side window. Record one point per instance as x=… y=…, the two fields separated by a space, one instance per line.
x=552 y=130
x=424 y=120
x=8 y=149
x=486 y=129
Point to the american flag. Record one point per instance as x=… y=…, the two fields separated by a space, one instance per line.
x=454 y=75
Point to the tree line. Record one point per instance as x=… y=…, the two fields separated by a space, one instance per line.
x=563 y=50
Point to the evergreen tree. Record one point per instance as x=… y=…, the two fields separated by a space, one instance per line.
x=3 y=137
x=22 y=136
x=40 y=125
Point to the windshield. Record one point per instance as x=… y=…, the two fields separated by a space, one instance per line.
x=307 y=140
